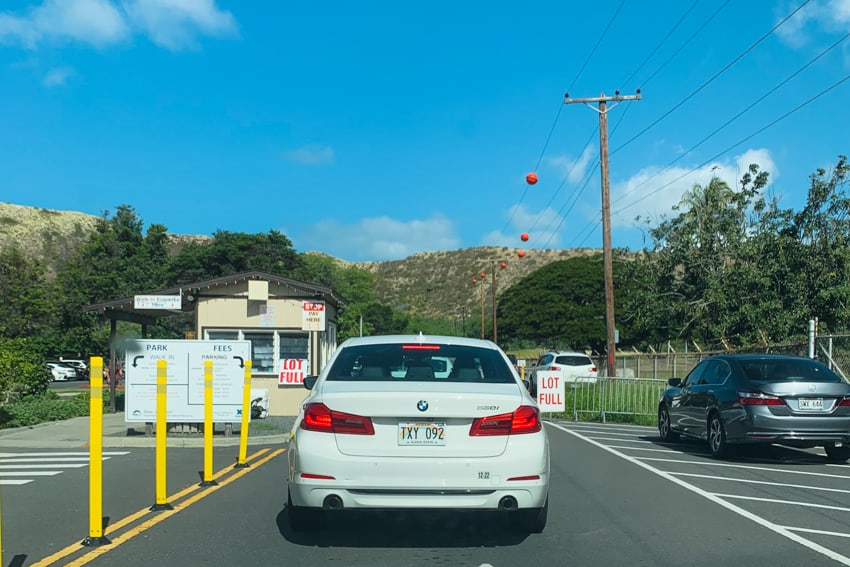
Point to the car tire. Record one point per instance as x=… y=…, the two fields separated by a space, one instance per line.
x=304 y=519
x=665 y=428
x=837 y=454
x=717 y=436
x=531 y=521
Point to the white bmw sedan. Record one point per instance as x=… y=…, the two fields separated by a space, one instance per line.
x=381 y=430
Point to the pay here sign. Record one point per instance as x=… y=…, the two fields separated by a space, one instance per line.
x=550 y=391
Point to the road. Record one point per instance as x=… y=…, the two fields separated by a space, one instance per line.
x=618 y=497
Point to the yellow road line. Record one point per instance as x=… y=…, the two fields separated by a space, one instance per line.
x=73 y=548
x=144 y=526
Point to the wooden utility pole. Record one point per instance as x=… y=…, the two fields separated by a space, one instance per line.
x=606 y=212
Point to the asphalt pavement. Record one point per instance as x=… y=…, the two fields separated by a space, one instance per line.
x=75 y=433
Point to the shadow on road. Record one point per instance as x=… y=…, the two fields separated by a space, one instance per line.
x=750 y=454
x=402 y=529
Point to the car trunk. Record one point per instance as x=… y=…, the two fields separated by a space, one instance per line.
x=421 y=419
x=807 y=398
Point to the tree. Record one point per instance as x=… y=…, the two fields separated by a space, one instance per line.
x=561 y=305
x=25 y=295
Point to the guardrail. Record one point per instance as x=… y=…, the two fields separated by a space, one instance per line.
x=632 y=400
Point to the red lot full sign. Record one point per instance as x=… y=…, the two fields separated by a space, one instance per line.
x=550 y=391
x=292 y=371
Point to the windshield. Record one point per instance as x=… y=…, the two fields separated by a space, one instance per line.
x=416 y=362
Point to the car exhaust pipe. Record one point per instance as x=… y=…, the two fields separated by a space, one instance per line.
x=332 y=502
x=508 y=504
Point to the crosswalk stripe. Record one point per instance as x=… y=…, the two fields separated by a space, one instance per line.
x=61 y=454
x=49 y=460
x=29 y=473
x=9 y=482
x=44 y=466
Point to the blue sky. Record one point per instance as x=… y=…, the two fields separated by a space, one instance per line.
x=376 y=130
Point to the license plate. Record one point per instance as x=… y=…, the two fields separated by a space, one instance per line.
x=810 y=404
x=421 y=433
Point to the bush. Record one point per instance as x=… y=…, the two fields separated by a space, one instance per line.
x=23 y=371
x=43 y=408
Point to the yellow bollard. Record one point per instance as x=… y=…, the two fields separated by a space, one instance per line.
x=208 y=425
x=96 y=536
x=246 y=408
x=161 y=436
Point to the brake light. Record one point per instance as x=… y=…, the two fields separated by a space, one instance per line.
x=420 y=347
x=759 y=399
x=526 y=419
x=593 y=369
x=844 y=402
x=319 y=417
x=553 y=367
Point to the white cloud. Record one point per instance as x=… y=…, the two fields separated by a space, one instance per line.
x=58 y=76
x=312 y=155
x=96 y=22
x=380 y=238
x=573 y=169
x=653 y=191
x=544 y=229
x=174 y=24
x=832 y=16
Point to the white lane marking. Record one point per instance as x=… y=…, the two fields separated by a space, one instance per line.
x=784 y=532
x=747 y=467
x=8 y=482
x=618 y=439
x=643 y=449
x=607 y=431
x=778 y=501
x=29 y=473
x=45 y=466
x=61 y=454
x=819 y=532
x=749 y=481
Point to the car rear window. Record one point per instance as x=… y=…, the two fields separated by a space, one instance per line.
x=573 y=360
x=802 y=370
x=420 y=363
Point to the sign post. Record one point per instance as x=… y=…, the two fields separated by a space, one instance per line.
x=161 y=436
x=96 y=536
x=241 y=462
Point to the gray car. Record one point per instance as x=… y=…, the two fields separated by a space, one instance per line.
x=759 y=398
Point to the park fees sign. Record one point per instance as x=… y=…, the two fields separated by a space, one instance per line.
x=185 y=361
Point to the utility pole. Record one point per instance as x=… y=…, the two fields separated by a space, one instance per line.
x=606 y=210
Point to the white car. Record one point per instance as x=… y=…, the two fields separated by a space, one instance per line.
x=61 y=372
x=380 y=430
x=573 y=366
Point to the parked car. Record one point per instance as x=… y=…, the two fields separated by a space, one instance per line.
x=379 y=430
x=573 y=366
x=61 y=372
x=80 y=366
x=759 y=398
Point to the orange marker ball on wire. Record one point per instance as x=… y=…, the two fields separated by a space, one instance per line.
x=521 y=253
x=524 y=237
x=531 y=178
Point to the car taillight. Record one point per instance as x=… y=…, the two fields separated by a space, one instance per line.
x=526 y=419
x=319 y=417
x=844 y=402
x=759 y=399
x=554 y=367
x=593 y=369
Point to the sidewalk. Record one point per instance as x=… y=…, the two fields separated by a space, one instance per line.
x=74 y=434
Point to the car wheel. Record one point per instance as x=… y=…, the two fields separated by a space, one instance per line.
x=304 y=519
x=664 y=427
x=531 y=521
x=716 y=436
x=837 y=454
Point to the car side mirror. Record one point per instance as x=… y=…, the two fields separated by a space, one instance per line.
x=310 y=381
x=674 y=382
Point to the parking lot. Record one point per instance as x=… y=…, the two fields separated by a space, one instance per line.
x=795 y=493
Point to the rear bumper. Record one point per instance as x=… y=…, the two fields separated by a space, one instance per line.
x=521 y=472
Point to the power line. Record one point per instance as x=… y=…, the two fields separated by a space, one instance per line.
x=713 y=78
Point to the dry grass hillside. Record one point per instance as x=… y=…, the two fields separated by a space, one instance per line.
x=432 y=284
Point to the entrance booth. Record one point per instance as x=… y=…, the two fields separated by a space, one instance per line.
x=291 y=326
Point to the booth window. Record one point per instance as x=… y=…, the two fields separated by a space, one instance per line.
x=262 y=351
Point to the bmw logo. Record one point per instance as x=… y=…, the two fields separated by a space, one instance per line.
x=422 y=405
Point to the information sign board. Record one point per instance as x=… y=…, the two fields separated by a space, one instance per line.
x=550 y=391
x=185 y=362
x=172 y=302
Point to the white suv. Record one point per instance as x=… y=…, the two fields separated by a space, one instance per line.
x=573 y=366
